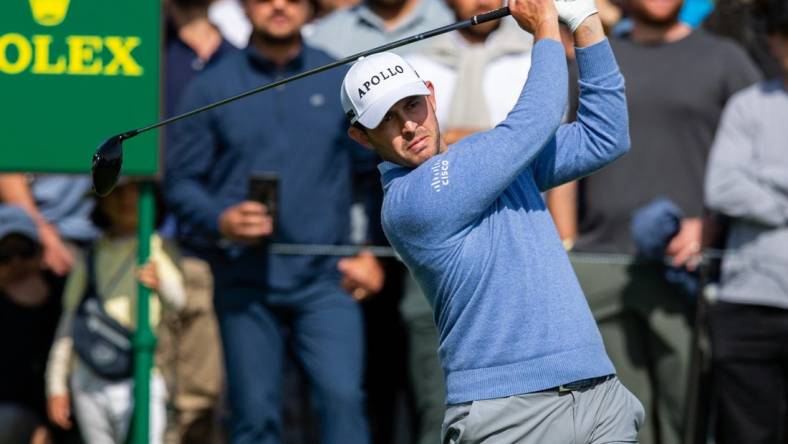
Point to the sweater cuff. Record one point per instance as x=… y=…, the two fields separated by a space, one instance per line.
x=596 y=60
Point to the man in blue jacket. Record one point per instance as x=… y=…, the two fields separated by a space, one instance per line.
x=523 y=358
x=264 y=301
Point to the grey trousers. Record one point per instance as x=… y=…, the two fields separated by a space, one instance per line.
x=605 y=413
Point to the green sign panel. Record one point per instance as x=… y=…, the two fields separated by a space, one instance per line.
x=72 y=73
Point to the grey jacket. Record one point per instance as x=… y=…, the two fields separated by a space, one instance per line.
x=747 y=179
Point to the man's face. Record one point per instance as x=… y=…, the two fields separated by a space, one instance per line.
x=465 y=9
x=278 y=19
x=779 y=47
x=656 y=12
x=408 y=135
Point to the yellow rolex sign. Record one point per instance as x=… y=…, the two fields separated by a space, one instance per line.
x=72 y=73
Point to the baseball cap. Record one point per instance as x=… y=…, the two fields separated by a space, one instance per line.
x=15 y=220
x=375 y=83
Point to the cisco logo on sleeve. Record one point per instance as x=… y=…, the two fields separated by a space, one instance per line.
x=440 y=175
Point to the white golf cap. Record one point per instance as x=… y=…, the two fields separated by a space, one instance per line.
x=375 y=83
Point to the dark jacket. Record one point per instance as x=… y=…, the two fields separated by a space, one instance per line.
x=298 y=131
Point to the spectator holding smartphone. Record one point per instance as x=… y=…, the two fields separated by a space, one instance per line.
x=266 y=301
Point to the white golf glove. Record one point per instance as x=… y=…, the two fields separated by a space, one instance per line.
x=573 y=12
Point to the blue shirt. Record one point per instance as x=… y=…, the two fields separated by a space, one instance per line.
x=473 y=229
x=297 y=130
x=181 y=66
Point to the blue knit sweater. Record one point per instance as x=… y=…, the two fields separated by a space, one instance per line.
x=472 y=227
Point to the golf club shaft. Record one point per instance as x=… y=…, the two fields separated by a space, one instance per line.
x=475 y=20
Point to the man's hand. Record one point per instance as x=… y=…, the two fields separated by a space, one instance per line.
x=148 y=276
x=574 y=12
x=248 y=222
x=59 y=411
x=686 y=244
x=57 y=257
x=539 y=17
x=362 y=275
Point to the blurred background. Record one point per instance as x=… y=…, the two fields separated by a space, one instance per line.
x=280 y=313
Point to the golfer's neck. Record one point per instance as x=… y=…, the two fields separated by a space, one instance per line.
x=280 y=52
x=442 y=145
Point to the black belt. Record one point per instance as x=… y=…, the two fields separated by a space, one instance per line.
x=580 y=385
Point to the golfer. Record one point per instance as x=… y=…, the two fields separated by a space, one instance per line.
x=523 y=358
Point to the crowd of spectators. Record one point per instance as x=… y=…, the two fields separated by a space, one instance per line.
x=256 y=347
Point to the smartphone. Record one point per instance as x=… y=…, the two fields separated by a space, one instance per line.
x=264 y=188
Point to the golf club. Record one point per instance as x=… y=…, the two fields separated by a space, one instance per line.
x=108 y=158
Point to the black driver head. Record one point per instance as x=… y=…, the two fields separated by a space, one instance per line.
x=107 y=161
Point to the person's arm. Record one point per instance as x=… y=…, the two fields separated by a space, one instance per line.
x=601 y=132
x=363 y=275
x=367 y=192
x=734 y=183
x=15 y=190
x=452 y=189
x=58 y=364
x=189 y=158
x=163 y=276
x=60 y=357
x=60 y=354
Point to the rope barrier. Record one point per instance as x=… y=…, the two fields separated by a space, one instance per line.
x=707 y=255
x=329 y=250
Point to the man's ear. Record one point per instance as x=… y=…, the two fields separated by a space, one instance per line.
x=431 y=97
x=360 y=137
